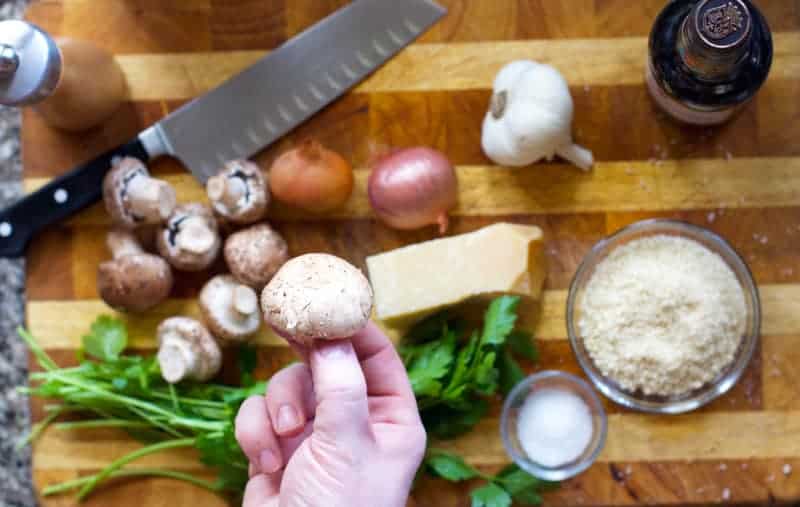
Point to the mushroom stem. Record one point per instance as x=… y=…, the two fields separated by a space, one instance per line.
x=150 y=199
x=245 y=300
x=122 y=243
x=195 y=236
x=228 y=191
x=177 y=359
x=578 y=155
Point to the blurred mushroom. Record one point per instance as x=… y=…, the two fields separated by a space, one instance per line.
x=239 y=192
x=190 y=240
x=229 y=308
x=132 y=197
x=133 y=280
x=255 y=254
x=186 y=350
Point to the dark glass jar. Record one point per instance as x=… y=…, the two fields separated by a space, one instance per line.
x=707 y=58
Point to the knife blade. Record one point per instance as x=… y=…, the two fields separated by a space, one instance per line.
x=244 y=114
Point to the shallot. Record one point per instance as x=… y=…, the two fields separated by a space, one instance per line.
x=412 y=188
x=311 y=177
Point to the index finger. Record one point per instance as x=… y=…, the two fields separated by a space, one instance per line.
x=383 y=369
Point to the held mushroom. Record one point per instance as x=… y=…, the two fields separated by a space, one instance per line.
x=255 y=254
x=229 y=308
x=186 y=350
x=317 y=297
x=190 y=239
x=133 y=280
x=530 y=117
x=239 y=192
x=132 y=197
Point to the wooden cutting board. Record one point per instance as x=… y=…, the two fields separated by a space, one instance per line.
x=741 y=180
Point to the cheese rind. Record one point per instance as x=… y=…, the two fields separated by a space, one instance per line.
x=413 y=282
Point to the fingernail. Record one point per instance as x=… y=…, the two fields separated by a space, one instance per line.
x=269 y=462
x=287 y=419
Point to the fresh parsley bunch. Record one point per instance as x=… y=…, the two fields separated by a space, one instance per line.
x=454 y=374
x=127 y=392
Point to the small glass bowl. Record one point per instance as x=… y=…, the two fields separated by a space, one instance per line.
x=708 y=392
x=510 y=416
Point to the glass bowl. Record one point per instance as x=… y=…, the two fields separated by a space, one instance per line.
x=510 y=416
x=706 y=393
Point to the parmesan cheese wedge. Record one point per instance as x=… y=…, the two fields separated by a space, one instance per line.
x=415 y=281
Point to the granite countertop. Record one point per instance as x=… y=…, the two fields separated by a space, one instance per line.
x=16 y=488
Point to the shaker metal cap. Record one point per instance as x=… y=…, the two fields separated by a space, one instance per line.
x=30 y=63
x=722 y=24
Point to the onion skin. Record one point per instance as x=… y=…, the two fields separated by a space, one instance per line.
x=311 y=177
x=413 y=188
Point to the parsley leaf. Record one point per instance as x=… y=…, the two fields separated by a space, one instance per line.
x=449 y=466
x=500 y=319
x=510 y=372
x=521 y=344
x=107 y=339
x=490 y=495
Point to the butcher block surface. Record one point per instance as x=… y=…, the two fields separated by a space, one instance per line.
x=741 y=180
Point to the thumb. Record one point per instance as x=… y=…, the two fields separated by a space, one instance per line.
x=340 y=389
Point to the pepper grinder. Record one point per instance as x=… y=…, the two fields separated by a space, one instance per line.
x=72 y=84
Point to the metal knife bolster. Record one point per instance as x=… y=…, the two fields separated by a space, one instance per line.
x=244 y=114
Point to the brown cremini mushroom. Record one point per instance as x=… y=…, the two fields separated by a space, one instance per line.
x=186 y=350
x=132 y=197
x=230 y=308
x=190 y=239
x=133 y=280
x=239 y=192
x=317 y=297
x=255 y=254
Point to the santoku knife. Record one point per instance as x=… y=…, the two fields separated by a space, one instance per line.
x=244 y=114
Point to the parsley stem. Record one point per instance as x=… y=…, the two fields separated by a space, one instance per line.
x=124 y=460
x=101 y=423
x=134 y=472
x=41 y=356
x=39 y=427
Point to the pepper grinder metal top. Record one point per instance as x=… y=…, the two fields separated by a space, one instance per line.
x=30 y=64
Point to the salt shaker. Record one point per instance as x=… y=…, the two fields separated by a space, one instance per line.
x=72 y=84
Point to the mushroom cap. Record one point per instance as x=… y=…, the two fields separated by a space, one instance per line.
x=317 y=297
x=135 y=282
x=187 y=350
x=190 y=239
x=114 y=185
x=229 y=308
x=255 y=254
x=251 y=206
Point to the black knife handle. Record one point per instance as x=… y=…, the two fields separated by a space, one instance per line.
x=59 y=199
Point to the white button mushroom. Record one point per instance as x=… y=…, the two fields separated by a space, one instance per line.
x=255 y=254
x=530 y=117
x=134 y=280
x=190 y=238
x=229 y=308
x=133 y=198
x=317 y=297
x=239 y=192
x=186 y=350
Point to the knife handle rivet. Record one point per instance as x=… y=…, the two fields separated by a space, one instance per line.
x=60 y=196
x=5 y=230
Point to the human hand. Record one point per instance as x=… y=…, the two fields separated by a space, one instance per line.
x=340 y=430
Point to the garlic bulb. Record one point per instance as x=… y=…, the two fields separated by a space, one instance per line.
x=530 y=117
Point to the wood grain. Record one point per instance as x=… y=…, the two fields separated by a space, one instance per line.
x=557 y=188
x=464 y=66
x=47 y=322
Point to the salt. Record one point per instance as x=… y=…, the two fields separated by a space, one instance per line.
x=554 y=427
